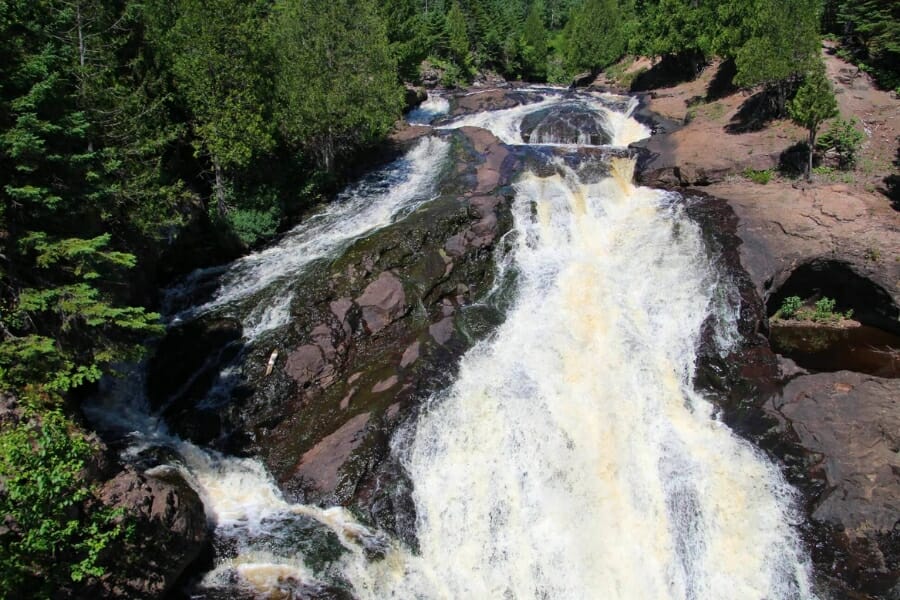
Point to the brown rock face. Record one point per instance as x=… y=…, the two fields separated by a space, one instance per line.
x=849 y=424
x=171 y=531
x=382 y=302
x=320 y=465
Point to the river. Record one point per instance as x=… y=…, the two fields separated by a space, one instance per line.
x=571 y=457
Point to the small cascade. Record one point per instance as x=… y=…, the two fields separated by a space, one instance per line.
x=257 y=288
x=429 y=110
x=563 y=118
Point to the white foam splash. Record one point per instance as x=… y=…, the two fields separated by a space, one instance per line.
x=506 y=124
x=433 y=107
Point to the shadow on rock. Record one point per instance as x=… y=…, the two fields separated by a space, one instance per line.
x=671 y=70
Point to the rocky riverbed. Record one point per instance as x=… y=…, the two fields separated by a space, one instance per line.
x=378 y=329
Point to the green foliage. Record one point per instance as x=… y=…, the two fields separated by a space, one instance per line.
x=676 y=27
x=790 y=306
x=843 y=137
x=49 y=540
x=823 y=311
x=813 y=104
x=457 y=35
x=782 y=40
x=760 y=177
x=596 y=35
x=219 y=57
x=534 y=44
x=872 y=29
x=336 y=83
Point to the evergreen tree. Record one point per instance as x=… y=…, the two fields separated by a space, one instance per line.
x=677 y=27
x=783 y=42
x=458 y=35
x=219 y=61
x=872 y=27
x=595 y=35
x=336 y=78
x=60 y=324
x=534 y=38
x=813 y=104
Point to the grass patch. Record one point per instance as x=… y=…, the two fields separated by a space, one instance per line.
x=823 y=310
x=760 y=177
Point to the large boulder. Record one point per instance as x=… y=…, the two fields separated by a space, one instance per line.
x=848 y=425
x=170 y=531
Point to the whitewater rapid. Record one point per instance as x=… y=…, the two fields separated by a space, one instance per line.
x=375 y=202
x=572 y=457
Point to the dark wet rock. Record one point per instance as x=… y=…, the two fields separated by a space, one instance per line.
x=188 y=360
x=413 y=96
x=583 y=79
x=320 y=465
x=480 y=101
x=827 y=240
x=431 y=75
x=306 y=364
x=658 y=124
x=488 y=79
x=410 y=355
x=848 y=425
x=382 y=302
x=565 y=124
x=836 y=449
x=373 y=332
x=171 y=530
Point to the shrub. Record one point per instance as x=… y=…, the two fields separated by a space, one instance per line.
x=252 y=225
x=823 y=311
x=790 y=307
x=48 y=539
x=845 y=139
x=760 y=177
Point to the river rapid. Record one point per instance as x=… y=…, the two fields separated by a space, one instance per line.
x=571 y=456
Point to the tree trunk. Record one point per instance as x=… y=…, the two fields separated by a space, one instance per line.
x=812 y=147
x=82 y=61
x=219 y=188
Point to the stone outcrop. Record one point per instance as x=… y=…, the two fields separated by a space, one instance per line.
x=844 y=239
x=170 y=531
x=848 y=425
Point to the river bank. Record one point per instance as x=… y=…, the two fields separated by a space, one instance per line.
x=836 y=237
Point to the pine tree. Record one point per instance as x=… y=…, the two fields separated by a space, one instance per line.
x=60 y=323
x=595 y=35
x=783 y=43
x=534 y=38
x=458 y=35
x=336 y=79
x=218 y=57
x=813 y=104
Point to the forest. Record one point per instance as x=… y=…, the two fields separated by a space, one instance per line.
x=143 y=138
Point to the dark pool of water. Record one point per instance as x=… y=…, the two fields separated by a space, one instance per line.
x=864 y=349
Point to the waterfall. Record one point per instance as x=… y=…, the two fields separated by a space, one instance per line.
x=572 y=457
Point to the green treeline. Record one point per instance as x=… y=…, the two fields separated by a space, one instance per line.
x=552 y=40
x=140 y=138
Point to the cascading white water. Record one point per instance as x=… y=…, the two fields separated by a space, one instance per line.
x=366 y=207
x=571 y=458
x=506 y=124
x=433 y=107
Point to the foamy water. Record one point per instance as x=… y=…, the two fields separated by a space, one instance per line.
x=571 y=458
